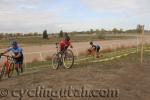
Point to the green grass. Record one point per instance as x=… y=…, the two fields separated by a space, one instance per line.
x=38 y=64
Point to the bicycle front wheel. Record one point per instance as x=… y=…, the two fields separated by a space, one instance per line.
x=55 y=61
x=11 y=70
x=68 y=59
x=2 y=72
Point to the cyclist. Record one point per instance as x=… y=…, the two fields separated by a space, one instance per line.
x=65 y=43
x=18 y=55
x=95 y=48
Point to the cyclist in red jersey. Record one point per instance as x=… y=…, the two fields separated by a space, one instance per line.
x=65 y=43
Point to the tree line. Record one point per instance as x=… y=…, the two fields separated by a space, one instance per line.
x=46 y=34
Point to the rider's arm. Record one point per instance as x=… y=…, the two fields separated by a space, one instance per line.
x=93 y=47
x=17 y=56
x=70 y=44
x=19 y=53
x=6 y=51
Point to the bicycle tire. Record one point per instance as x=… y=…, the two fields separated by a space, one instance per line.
x=55 y=61
x=2 y=72
x=11 y=70
x=68 y=56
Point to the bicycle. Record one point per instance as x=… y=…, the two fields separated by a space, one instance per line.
x=91 y=52
x=7 y=68
x=63 y=58
x=94 y=53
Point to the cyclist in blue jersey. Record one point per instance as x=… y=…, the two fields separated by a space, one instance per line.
x=18 y=55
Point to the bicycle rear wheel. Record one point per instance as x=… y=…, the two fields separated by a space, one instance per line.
x=11 y=70
x=2 y=72
x=55 y=61
x=68 y=59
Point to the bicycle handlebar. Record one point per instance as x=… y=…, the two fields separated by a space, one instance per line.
x=56 y=45
x=8 y=57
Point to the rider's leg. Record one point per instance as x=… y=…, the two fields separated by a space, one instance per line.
x=97 y=52
x=21 y=67
x=21 y=64
x=17 y=68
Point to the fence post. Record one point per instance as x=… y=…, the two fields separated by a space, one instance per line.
x=119 y=45
x=142 y=48
x=41 y=56
x=137 y=41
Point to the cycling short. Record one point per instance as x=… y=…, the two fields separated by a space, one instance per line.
x=64 y=49
x=19 y=60
x=98 y=49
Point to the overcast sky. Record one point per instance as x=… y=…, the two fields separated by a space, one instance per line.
x=72 y=15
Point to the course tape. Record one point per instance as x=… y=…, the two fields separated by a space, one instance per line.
x=121 y=51
x=109 y=59
x=112 y=58
x=84 y=59
x=147 y=50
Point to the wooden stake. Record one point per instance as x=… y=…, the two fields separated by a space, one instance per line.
x=142 y=47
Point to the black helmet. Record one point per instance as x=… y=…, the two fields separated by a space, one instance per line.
x=67 y=38
x=14 y=43
x=91 y=43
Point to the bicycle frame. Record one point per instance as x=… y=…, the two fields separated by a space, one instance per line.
x=60 y=55
x=92 y=51
x=7 y=62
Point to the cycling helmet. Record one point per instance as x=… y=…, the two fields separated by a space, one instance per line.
x=91 y=43
x=67 y=38
x=14 y=43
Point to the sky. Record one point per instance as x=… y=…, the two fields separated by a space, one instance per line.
x=72 y=15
